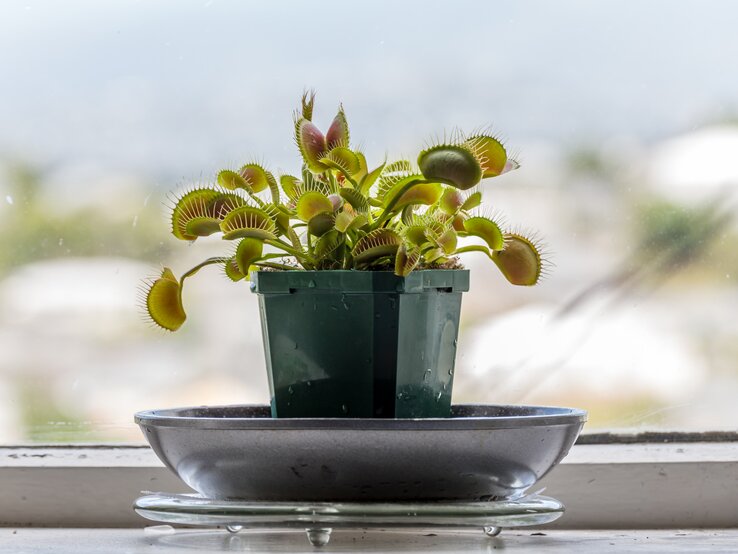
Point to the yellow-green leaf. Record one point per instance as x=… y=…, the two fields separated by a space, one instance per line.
x=486 y=229
x=472 y=201
x=520 y=261
x=248 y=222
x=164 y=302
x=256 y=177
x=311 y=204
x=491 y=154
x=377 y=244
x=249 y=251
x=451 y=201
x=321 y=223
x=406 y=260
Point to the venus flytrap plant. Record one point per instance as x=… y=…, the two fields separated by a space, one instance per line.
x=341 y=214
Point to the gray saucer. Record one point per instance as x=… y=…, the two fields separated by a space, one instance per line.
x=482 y=452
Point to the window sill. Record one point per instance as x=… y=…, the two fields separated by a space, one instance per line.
x=604 y=486
x=89 y=541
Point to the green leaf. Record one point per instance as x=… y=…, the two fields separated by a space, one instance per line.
x=231 y=180
x=452 y=165
x=406 y=260
x=491 y=154
x=416 y=234
x=308 y=102
x=248 y=222
x=164 y=302
x=311 y=143
x=486 y=229
x=338 y=132
x=520 y=261
x=472 y=201
x=202 y=226
x=451 y=201
x=434 y=255
x=292 y=186
x=377 y=244
x=447 y=241
x=407 y=216
x=232 y=271
x=328 y=244
x=458 y=223
x=367 y=182
x=280 y=215
x=193 y=205
x=255 y=176
x=400 y=166
x=249 y=251
x=363 y=169
x=342 y=159
x=321 y=223
x=274 y=188
x=311 y=204
x=420 y=193
x=357 y=200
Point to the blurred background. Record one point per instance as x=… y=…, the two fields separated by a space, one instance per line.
x=625 y=116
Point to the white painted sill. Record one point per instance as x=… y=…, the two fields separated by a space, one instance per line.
x=604 y=486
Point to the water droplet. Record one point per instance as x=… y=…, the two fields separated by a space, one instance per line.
x=319 y=537
x=344 y=408
x=234 y=528
x=308 y=383
x=427 y=374
x=295 y=346
x=451 y=371
x=135 y=221
x=438 y=396
x=290 y=390
x=61 y=241
x=311 y=284
x=400 y=396
x=9 y=199
x=444 y=386
x=456 y=341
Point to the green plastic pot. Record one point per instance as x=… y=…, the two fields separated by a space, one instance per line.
x=361 y=344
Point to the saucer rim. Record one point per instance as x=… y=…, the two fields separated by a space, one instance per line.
x=545 y=416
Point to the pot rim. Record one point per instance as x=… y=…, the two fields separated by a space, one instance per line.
x=359 y=281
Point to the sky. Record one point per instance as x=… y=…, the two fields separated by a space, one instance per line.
x=179 y=89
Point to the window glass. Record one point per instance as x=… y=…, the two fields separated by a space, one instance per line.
x=625 y=116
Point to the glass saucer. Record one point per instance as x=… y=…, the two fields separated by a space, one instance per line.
x=320 y=518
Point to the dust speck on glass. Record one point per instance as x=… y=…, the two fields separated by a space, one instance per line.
x=627 y=151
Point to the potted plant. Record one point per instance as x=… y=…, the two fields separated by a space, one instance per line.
x=355 y=267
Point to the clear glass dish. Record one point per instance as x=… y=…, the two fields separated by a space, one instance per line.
x=320 y=518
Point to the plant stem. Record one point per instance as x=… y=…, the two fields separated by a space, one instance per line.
x=274 y=265
x=476 y=248
x=287 y=248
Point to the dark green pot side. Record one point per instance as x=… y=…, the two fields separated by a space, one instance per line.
x=360 y=344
